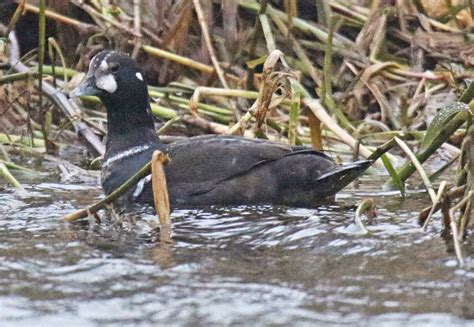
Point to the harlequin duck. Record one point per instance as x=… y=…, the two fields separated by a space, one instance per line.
x=204 y=170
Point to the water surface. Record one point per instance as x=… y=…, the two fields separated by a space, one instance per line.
x=256 y=265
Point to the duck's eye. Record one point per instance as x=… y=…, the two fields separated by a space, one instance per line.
x=114 y=68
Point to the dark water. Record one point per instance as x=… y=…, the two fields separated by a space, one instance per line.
x=250 y=266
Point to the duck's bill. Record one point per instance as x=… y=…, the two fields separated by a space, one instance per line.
x=87 y=87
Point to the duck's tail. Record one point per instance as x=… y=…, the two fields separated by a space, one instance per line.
x=335 y=180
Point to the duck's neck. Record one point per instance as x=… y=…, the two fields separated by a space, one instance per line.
x=129 y=124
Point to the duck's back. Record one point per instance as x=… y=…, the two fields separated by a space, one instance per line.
x=211 y=158
x=225 y=170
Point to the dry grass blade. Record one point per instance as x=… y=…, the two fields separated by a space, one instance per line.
x=468 y=158
x=53 y=47
x=439 y=195
x=257 y=31
x=64 y=20
x=194 y=104
x=294 y=111
x=239 y=127
x=454 y=228
x=160 y=194
x=207 y=40
x=18 y=12
x=315 y=131
x=41 y=50
x=466 y=216
x=420 y=169
x=452 y=194
x=267 y=33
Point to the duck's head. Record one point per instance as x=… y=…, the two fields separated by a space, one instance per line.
x=112 y=75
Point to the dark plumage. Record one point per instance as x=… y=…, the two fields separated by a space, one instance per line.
x=204 y=170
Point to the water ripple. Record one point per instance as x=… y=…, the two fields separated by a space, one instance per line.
x=246 y=265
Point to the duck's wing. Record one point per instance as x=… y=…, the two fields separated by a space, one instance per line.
x=208 y=160
x=214 y=158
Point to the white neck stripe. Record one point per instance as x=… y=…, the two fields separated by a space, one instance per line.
x=127 y=153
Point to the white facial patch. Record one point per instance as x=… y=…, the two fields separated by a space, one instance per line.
x=139 y=76
x=104 y=65
x=106 y=83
